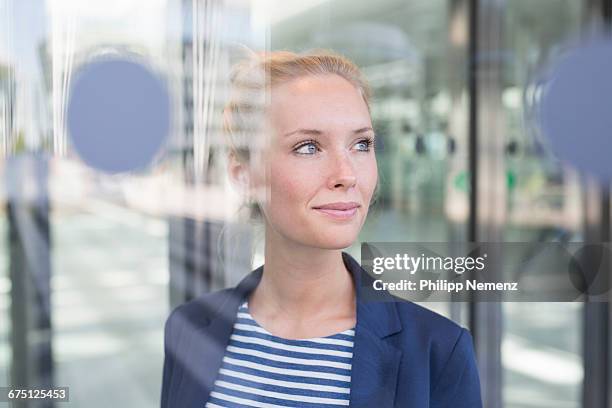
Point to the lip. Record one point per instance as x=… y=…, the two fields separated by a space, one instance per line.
x=339 y=214
x=339 y=211
x=338 y=206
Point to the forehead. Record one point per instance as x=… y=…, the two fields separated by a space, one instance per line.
x=317 y=101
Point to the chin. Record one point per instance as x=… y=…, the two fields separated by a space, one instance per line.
x=335 y=242
x=340 y=245
x=335 y=236
x=322 y=235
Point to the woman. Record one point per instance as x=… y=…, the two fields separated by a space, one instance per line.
x=295 y=331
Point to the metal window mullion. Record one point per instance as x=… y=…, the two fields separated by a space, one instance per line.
x=597 y=339
x=596 y=325
x=487 y=195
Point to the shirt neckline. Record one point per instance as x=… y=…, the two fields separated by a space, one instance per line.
x=245 y=304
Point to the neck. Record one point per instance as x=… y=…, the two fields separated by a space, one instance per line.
x=303 y=283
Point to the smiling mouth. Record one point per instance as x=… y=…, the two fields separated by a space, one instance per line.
x=338 y=214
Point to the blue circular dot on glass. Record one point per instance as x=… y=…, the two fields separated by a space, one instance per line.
x=576 y=108
x=118 y=115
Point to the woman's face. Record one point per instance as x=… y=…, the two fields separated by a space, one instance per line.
x=321 y=153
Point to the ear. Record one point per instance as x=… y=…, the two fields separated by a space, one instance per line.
x=238 y=172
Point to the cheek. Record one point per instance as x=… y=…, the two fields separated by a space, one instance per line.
x=369 y=177
x=290 y=185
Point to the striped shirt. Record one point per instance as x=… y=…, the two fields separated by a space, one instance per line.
x=263 y=370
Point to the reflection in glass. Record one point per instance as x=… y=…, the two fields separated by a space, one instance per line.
x=541 y=348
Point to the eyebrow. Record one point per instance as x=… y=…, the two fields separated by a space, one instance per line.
x=316 y=132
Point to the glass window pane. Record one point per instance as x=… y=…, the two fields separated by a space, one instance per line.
x=542 y=342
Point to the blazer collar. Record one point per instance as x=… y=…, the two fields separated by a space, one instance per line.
x=375 y=363
x=380 y=317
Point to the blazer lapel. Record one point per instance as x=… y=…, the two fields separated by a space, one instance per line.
x=205 y=343
x=376 y=361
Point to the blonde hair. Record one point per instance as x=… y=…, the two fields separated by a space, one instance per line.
x=251 y=78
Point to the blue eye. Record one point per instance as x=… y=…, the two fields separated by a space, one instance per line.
x=367 y=143
x=311 y=145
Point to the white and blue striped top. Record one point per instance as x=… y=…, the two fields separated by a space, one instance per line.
x=263 y=370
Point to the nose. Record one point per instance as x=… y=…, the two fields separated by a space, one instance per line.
x=342 y=173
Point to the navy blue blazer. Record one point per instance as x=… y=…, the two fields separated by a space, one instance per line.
x=404 y=355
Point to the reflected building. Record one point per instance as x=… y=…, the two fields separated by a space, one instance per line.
x=7 y=108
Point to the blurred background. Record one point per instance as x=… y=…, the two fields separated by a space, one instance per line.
x=91 y=263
